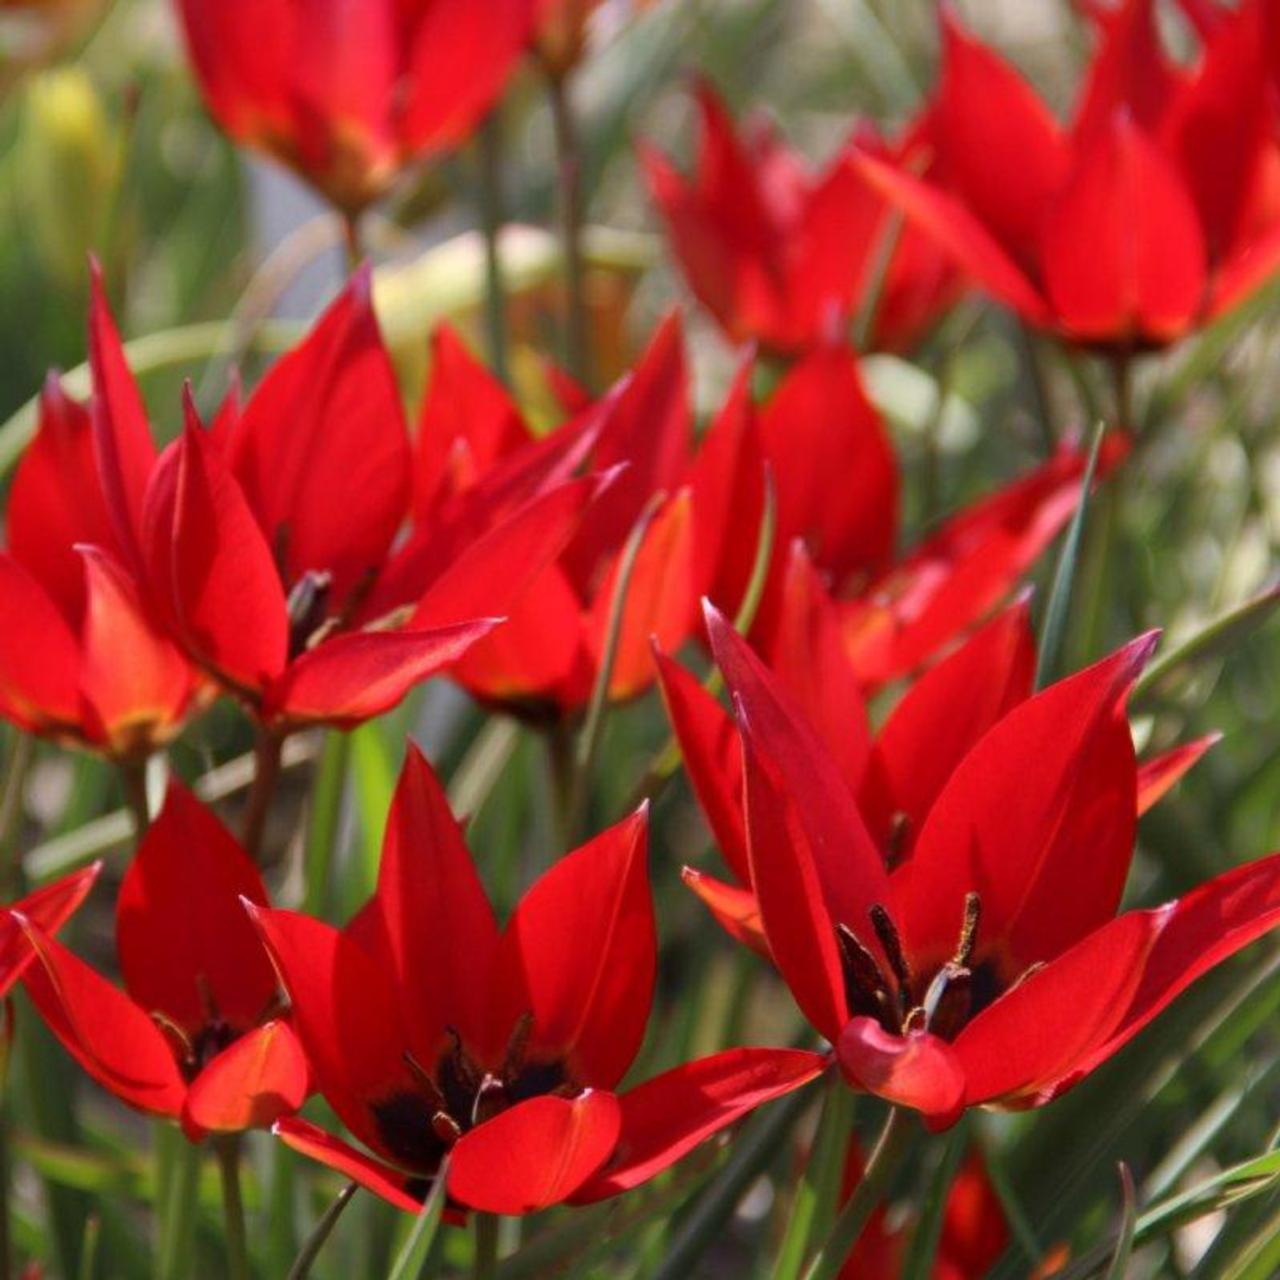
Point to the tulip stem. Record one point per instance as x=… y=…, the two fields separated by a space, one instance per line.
x=15 y=785
x=133 y=780
x=890 y=1147
x=316 y=1241
x=492 y=217
x=178 y=1162
x=569 y=177
x=485 y=1265
x=266 y=774
x=1122 y=381
x=228 y=1152
x=352 y=240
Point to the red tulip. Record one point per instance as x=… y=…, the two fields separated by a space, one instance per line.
x=49 y=908
x=988 y=966
x=349 y=95
x=894 y=776
x=198 y=1032
x=1146 y=218
x=836 y=484
x=266 y=542
x=82 y=658
x=432 y=1033
x=784 y=258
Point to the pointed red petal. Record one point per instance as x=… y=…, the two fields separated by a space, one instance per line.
x=48 y=908
x=321 y=451
x=580 y=954
x=355 y=677
x=222 y=581
x=137 y=682
x=536 y=1154
x=712 y=756
x=249 y=1085
x=113 y=1039
x=1038 y=819
x=383 y=1180
x=1124 y=256
x=181 y=931
x=940 y=718
x=664 y=1118
x=437 y=926
x=916 y=1070
x=1159 y=775
x=835 y=472
x=736 y=909
x=346 y=1013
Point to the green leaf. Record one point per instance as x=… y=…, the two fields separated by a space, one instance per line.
x=412 y=1259
x=1119 y=1267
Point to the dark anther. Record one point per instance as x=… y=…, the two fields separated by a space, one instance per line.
x=517 y=1045
x=537 y=1078
x=445 y=1127
x=176 y=1033
x=949 y=1001
x=208 y=1005
x=425 y=1082
x=308 y=607
x=491 y=1097
x=887 y=932
x=407 y=1125
x=899 y=835
x=969 y=929
x=864 y=985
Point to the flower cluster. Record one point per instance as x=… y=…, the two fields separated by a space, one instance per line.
x=926 y=842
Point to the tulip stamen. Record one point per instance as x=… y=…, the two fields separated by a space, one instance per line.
x=171 y=1028
x=891 y=943
x=308 y=608
x=428 y=1085
x=866 y=990
x=968 y=930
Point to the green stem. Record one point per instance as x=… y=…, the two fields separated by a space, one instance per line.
x=569 y=171
x=353 y=240
x=266 y=774
x=492 y=218
x=890 y=1147
x=227 y=1148
x=923 y=1250
x=485 y=1265
x=176 y=1194
x=1033 y=362
x=15 y=785
x=133 y=781
x=1122 y=381
x=316 y=1241
x=325 y=813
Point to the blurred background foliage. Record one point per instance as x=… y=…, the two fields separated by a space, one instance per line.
x=104 y=147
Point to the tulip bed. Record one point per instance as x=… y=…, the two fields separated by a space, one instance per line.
x=635 y=639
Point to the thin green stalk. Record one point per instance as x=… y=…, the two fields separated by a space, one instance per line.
x=227 y=1149
x=1038 y=383
x=133 y=781
x=1122 y=382
x=353 y=239
x=266 y=775
x=818 y=1193
x=177 y=1200
x=752 y=1151
x=322 y=822
x=15 y=785
x=589 y=738
x=492 y=218
x=411 y=1261
x=1119 y=1267
x=890 y=1147
x=485 y=1262
x=864 y=324
x=572 y=213
x=316 y=1241
x=89 y=1249
x=1055 y=615
x=923 y=1249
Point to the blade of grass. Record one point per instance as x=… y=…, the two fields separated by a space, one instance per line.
x=1119 y=1267
x=412 y=1259
x=923 y=1249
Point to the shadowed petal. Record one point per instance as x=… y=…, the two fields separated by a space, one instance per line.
x=312 y=1141
x=736 y=909
x=916 y=1070
x=250 y=1084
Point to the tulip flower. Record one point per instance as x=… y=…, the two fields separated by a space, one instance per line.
x=894 y=776
x=836 y=484
x=1147 y=217
x=82 y=656
x=349 y=96
x=989 y=967
x=199 y=1032
x=266 y=541
x=441 y=1041
x=783 y=257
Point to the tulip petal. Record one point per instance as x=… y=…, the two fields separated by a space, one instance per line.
x=664 y=1118
x=113 y=1039
x=940 y=718
x=536 y=1154
x=580 y=954
x=736 y=909
x=712 y=756
x=346 y=1014
x=39 y=656
x=354 y=677
x=1159 y=775
x=1038 y=819
x=56 y=501
x=383 y=1180
x=250 y=1084
x=49 y=908
x=916 y=1070
x=848 y=865
x=184 y=940
x=1124 y=257
x=221 y=580
x=438 y=933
